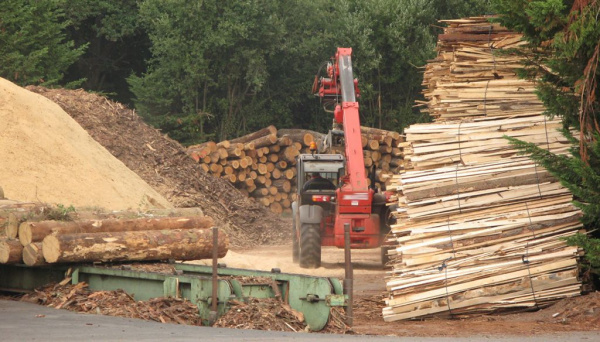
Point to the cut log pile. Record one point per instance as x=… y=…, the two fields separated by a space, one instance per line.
x=479 y=228
x=262 y=164
x=142 y=239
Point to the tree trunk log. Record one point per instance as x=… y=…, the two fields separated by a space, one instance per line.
x=255 y=135
x=178 y=244
x=32 y=254
x=11 y=251
x=36 y=231
x=262 y=142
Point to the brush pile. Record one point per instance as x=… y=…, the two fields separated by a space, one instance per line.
x=480 y=228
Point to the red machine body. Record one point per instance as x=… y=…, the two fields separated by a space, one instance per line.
x=337 y=193
x=354 y=197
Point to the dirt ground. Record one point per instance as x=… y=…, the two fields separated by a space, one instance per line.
x=573 y=314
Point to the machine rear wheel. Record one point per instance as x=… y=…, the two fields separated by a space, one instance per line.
x=295 y=244
x=310 y=246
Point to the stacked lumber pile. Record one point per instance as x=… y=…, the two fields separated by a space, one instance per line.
x=480 y=228
x=179 y=238
x=262 y=164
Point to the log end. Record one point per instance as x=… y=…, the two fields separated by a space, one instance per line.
x=51 y=249
x=25 y=233
x=11 y=251
x=32 y=255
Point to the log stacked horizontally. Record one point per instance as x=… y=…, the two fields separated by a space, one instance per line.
x=262 y=164
x=108 y=240
x=480 y=228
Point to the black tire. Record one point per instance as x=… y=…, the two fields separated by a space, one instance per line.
x=310 y=246
x=295 y=244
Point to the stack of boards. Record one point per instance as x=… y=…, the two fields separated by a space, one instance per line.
x=480 y=227
x=262 y=164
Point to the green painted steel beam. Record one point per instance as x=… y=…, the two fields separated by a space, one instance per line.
x=313 y=296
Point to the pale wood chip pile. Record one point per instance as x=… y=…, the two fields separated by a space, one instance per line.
x=479 y=227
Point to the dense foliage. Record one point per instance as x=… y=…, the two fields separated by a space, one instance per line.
x=34 y=48
x=216 y=69
x=565 y=42
x=222 y=68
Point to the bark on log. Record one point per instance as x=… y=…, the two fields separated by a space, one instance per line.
x=32 y=254
x=262 y=142
x=37 y=231
x=371 y=130
x=11 y=251
x=12 y=224
x=178 y=244
x=253 y=136
x=283 y=185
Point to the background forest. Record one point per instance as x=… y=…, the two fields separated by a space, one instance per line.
x=213 y=69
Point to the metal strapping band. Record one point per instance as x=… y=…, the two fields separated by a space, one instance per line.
x=547 y=139
x=485 y=98
x=525 y=258
x=456 y=170
x=490 y=46
x=451 y=240
x=445 y=268
x=457 y=189
x=537 y=179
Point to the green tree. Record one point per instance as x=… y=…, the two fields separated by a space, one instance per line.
x=33 y=44
x=392 y=39
x=209 y=60
x=564 y=37
x=117 y=44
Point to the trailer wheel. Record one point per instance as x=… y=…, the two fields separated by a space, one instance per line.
x=310 y=246
x=295 y=244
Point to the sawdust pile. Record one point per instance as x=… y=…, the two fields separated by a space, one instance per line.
x=47 y=157
x=164 y=164
x=114 y=303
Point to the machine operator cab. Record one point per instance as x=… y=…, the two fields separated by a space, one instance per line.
x=318 y=177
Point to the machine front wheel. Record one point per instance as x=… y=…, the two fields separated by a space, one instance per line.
x=310 y=246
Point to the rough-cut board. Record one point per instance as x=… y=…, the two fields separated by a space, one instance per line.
x=479 y=227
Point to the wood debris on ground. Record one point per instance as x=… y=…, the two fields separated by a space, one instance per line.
x=262 y=314
x=480 y=229
x=114 y=303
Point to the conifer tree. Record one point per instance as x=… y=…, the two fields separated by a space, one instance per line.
x=564 y=37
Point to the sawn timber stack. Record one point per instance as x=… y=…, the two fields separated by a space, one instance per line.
x=480 y=228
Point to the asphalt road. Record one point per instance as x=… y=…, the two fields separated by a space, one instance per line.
x=29 y=322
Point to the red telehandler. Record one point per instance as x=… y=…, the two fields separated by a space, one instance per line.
x=337 y=192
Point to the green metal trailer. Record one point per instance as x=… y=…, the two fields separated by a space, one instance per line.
x=313 y=296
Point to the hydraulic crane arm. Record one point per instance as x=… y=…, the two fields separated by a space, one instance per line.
x=341 y=82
